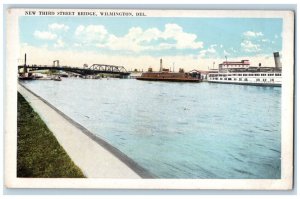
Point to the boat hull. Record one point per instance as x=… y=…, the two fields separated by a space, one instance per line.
x=169 y=79
x=26 y=78
x=249 y=84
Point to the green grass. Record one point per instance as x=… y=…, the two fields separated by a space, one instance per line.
x=38 y=152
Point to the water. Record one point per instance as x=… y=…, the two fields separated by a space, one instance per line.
x=178 y=130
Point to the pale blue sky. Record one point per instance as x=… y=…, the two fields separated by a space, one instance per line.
x=208 y=37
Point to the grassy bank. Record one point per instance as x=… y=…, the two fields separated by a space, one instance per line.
x=38 y=152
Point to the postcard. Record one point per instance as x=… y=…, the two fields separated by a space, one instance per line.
x=149 y=99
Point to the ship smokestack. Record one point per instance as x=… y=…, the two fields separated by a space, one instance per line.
x=277 y=61
x=161 y=66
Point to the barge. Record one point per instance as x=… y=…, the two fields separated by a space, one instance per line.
x=167 y=75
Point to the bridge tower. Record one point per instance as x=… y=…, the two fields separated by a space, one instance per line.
x=25 y=66
x=57 y=62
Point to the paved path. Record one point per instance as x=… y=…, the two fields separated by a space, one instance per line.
x=95 y=157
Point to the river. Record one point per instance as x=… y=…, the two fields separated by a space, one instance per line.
x=178 y=130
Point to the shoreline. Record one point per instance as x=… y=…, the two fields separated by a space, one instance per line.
x=39 y=155
x=98 y=159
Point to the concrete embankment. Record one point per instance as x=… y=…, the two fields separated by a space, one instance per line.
x=95 y=157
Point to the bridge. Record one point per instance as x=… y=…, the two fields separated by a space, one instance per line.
x=91 y=70
x=86 y=70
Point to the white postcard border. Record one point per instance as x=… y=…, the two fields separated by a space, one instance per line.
x=10 y=111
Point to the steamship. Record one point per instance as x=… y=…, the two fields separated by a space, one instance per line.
x=166 y=75
x=243 y=73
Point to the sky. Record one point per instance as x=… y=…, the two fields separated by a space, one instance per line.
x=190 y=43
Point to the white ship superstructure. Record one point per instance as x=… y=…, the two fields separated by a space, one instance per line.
x=243 y=73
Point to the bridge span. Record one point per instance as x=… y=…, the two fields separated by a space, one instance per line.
x=89 y=70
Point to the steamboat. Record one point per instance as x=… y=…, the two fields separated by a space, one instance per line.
x=243 y=73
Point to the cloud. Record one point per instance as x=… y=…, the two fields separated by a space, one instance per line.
x=59 y=43
x=91 y=33
x=131 y=41
x=211 y=51
x=37 y=56
x=248 y=46
x=253 y=34
x=183 y=40
x=77 y=44
x=79 y=30
x=226 y=53
x=137 y=39
x=265 y=40
x=24 y=44
x=44 y=35
x=57 y=26
x=255 y=42
x=233 y=50
x=213 y=45
x=45 y=46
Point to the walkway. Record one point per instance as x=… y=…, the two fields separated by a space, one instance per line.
x=95 y=157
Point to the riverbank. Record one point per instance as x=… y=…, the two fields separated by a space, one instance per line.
x=38 y=152
x=95 y=157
